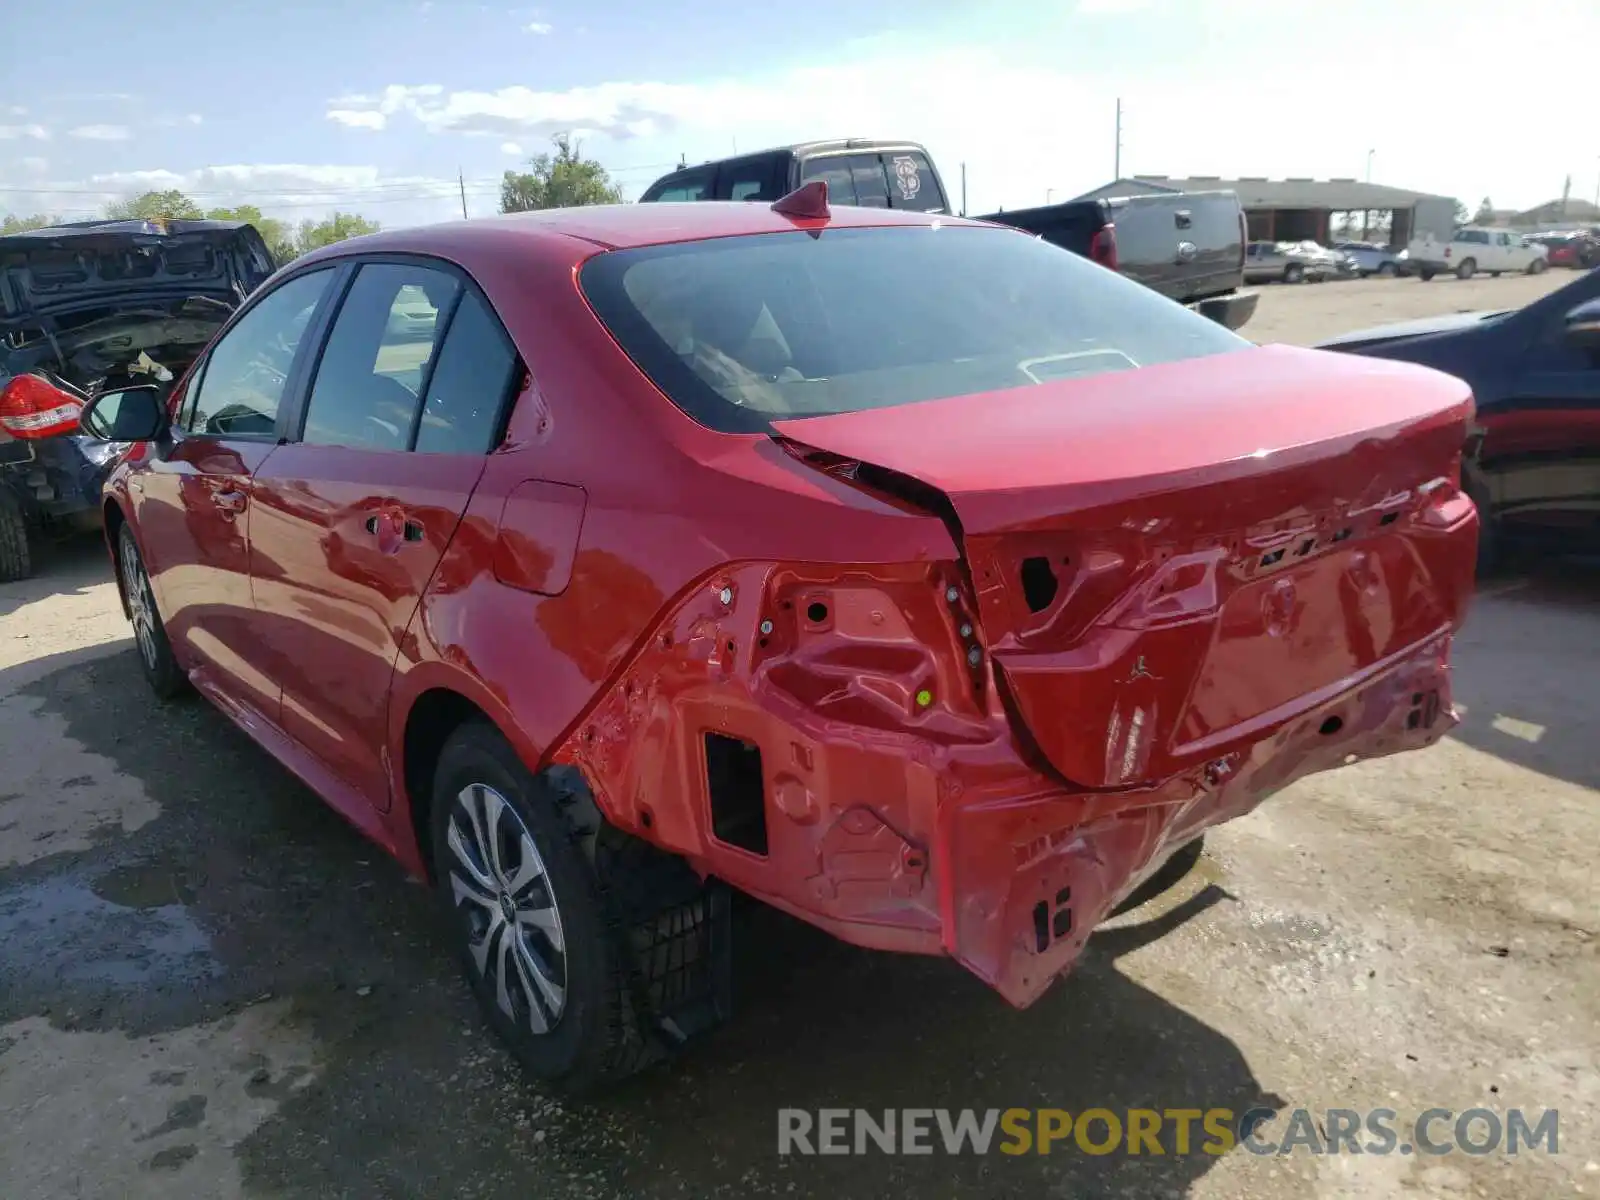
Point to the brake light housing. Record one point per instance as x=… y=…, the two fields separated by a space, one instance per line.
x=31 y=408
x=1103 y=246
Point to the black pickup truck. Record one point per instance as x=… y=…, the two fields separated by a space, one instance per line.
x=1188 y=246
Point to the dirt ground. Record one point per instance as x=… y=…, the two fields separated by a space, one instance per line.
x=210 y=987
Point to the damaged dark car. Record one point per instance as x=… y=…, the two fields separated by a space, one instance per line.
x=92 y=307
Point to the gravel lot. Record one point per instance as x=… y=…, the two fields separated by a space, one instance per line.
x=209 y=987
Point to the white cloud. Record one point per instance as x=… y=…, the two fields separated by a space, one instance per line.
x=194 y=118
x=16 y=110
x=511 y=148
x=101 y=133
x=538 y=27
x=357 y=118
x=34 y=165
x=289 y=191
x=12 y=132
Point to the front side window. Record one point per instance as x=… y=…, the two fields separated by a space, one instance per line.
x=742 y=331
x=247 y=371
x=375 y=366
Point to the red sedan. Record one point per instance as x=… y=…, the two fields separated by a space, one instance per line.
x=910 y=574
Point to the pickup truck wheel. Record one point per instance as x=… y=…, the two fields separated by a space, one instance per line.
x=1537 y=266
x=1293 y=273
x=1387 y=270
x=1425 y=275
x=1467 y=269
x=15 y=562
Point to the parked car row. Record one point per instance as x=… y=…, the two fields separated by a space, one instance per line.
x=1575 y=249
x=1189 y=247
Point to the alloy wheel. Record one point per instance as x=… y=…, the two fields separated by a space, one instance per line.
x=141 y=605
x=503 y=895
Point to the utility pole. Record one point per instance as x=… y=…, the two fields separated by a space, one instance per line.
x=963 y=189
x=462 y=180
x=1116 y=170
x=1370 y=153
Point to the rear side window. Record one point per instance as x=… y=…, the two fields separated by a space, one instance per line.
x=750 y=179
x=378 y=357
x=912 y=184
x=476 y=370
x=742 y=331
x=688 y=185
x=836 y=173
x=872 y=189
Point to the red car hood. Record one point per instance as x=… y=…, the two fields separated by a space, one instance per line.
x=1169 y=560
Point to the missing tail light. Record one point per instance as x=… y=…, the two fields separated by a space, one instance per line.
x=32 y=407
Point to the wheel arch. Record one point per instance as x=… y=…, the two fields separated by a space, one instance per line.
x=420 y=726
x=113 y=519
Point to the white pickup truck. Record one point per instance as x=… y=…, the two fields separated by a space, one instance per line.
x=1471 y=250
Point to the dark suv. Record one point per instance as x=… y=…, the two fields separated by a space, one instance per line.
x=868 y=172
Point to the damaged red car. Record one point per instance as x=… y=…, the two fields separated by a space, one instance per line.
x=910 y=574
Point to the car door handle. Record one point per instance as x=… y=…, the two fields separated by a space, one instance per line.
x=411 y=530
x=229 y=501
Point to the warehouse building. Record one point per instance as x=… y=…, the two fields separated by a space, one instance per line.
x=1295 y=210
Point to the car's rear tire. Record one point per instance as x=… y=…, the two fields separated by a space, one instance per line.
x=161 y=670
x=1467 y=269
x=1425 y=276
x=1293 y=273
x=1388 y=270
x=15 y=560
x=1537 y=266
x=514 y=870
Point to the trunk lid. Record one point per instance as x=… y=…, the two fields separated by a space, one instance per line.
x=47 y=273
x=1173 y=561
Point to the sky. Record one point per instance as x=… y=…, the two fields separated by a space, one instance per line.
x=386 y=107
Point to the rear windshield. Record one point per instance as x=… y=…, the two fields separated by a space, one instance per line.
x=742 y=331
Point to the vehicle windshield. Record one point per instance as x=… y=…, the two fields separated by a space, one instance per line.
x=742 y=331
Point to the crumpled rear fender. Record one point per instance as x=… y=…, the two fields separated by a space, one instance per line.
x=883 y=793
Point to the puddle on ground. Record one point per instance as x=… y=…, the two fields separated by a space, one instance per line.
x=62 y=930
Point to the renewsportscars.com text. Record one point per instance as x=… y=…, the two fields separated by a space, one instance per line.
x=1169 y=1131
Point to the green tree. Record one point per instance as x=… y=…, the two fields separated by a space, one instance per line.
x=16 y=224
x=171 y=203
x=278 y=235
x=1485 y=213
x=1462 y=213
x=313 y=235
x=564 y=179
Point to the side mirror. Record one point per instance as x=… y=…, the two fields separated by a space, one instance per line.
x=136 y=414
x=1583 y=326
